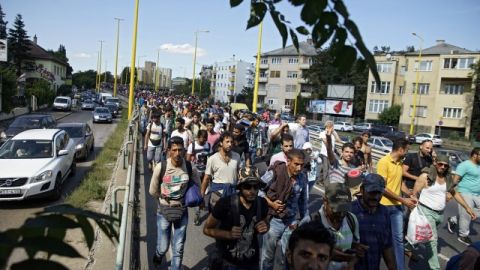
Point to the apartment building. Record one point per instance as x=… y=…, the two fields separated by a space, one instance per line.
x=444 y=98
x=229 y=78
x=147 y=75
x=281 y=76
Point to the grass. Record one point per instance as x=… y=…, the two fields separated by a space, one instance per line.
x=94 y=184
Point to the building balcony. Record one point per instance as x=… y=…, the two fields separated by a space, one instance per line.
x=233 y=69
x=262 y=92
x=263 y=66
x=231 y=88
x=232 y=79
x=302 y=81
x=306 y=94
x=262 y=79
x=304 y=66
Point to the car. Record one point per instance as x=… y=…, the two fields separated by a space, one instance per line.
x=25 y=122
x=379 y=130
x=88 y=105
x=114 y=110
x=114 y=100
x=362 y=127
x=342 y=126
x=287 y=117
x=82 y=136
x=101 y=114
x=35 y=163
x=102 y=97
x=455 y=157
x=62 y=103
x=381 y=143
x=395 y=135
x=314 y=128
x=436 y=140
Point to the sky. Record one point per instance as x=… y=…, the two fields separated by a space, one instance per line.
x=168 y=27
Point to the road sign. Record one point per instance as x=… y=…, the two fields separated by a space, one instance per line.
x=440 y=123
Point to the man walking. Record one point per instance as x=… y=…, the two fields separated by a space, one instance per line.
x=414 y=163
x=286 y=141
x=182 y=132
x=256 y=139
x=155 y=140
x=302 y=134
x=237 y=220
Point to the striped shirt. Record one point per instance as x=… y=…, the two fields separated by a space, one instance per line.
x=338 y=172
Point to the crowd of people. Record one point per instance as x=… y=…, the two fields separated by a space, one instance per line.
x=260 y=217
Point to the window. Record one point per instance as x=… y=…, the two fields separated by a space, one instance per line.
x=421 y=111
x=276 y=60
x=271 y=101
x=289 y=102
x=290 y=88
x=275 y=74
x=292 y=74
x=264 y=61
x=458 y=63
x=452 y=113
x=273 y=88
x=377 y=106
x=293 y=60
x=423 y=88
x=384 y=88
x=453 y=89
x=424 y=66
x=465 y=63
x=263 y=75
x=384 y=67
x=401 y=90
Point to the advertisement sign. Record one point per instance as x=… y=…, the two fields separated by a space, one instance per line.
x=340 y=91
x=3 y=50
x=339 y=107
x=317 y=106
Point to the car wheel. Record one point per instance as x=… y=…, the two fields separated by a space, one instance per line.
x=73 y=168
x=57 y=189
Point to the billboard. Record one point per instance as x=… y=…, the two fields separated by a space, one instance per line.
x=340 y=91
x=340 y=107
x=317 y=106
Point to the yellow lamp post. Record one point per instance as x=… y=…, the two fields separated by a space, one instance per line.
x=98 y=71
x=156 y=74
x=195 y=57
x=100 y=66
x=257 y=68
x=116 y=57
x=132 y=61
x=414 y=112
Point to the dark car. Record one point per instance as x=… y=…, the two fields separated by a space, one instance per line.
x=455 y=157
x=82 y=135
x=25 y=122
x=114 y=110
x=379 y=130
x=395 y=135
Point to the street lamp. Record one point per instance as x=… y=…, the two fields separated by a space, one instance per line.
x=195 y=57
x=116 y=57
x=130 y=96
x=414 y=113
x=100 y=66
x=257 y=69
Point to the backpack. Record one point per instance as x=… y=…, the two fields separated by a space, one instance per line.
x=163 y=169
x=155 y=142
x=315 y=216
x=454 y=262
x=234 y=204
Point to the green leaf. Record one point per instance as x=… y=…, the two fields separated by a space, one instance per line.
x=295 y=40
x=340 y=37
x=234 y=3
x=38 y=264
x=50 y=245
x=257 y=13
x=345 y=58
x=308 y=14
x=87 y=229
x=341 y=8
x=282 y=28
x=297 y=2
x=302 y=30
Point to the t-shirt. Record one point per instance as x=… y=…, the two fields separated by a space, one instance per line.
x=392 y=172
x=415 y=164
x=156 y=134
x=186 y=135
x=244 y=252
x=323 y=148
x=222 y=172
x=200 y=154
x=278 y=157
x=338 y=172
x=174 y=182
x=212 y=138
x=470 y=177
x=241 y=147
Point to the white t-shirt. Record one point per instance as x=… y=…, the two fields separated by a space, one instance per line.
x=222 y=172
x=226 y=118
x=156 y=133
x=186 y=135
x=323 y=149
x=200 y=154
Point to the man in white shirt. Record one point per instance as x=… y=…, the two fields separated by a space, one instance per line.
x=323 y=149
x=182 y=132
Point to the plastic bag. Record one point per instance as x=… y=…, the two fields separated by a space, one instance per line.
x=419 y=229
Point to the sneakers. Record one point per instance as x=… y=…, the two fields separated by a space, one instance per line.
x=451 y=225
x=196 y=220
x=465 y=240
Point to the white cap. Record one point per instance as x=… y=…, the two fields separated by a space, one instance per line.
x=307 y=145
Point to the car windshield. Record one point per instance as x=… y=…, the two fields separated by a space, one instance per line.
x=436 y=137
x=112 y=100
x=74 y=132
x=387 y=142
x=88 y=101
x=102 y=110
x=61 y=100
x=25 y=122
x=26 y=149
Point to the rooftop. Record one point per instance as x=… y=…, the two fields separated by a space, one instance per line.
x=37 y=52
x=442 y=48
x=305 y=47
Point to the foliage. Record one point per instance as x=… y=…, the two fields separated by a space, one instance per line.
x=61 y=54
x=184 y=89
x=454 y=136
x=390 y=116
x=324 y=20
x=125 y=75
x=246 y=96
x=9 y=87
x=41 y=89
x=202 y=91
x=323 y=72
x=84 y=79
x=18 y=43
x=475 y=119
x=3 y=25
x=46 y=231
x=64 y=90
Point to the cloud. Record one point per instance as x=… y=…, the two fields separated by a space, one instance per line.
x=82 y=55
x=182 y=49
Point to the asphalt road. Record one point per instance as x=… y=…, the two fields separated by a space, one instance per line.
x=15 y=213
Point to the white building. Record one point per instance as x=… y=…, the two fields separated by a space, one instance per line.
x=229 y=78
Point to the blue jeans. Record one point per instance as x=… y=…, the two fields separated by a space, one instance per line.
x=164 y=228
x=396 y=222
x=253 y=155
x=155 y=153
x=270 y=239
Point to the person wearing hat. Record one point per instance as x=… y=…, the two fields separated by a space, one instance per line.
x=335 y=215
x=235 y=222
x=373 y=224
x=434 y=183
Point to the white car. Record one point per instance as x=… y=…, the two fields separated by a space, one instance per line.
x=35 y=163
x=62 y=103
x=419 y=138
x=381 y=143
x=342 y=126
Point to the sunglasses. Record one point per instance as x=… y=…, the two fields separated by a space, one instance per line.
x=250 y=186
x=443 y=165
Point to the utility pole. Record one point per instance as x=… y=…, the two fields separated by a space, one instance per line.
x=116 y=57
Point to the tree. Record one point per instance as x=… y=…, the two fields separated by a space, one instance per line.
x=9 y=87
x=3 y=25
x=18 y=43
x=475 y=119
x=42 y=91
x=246 y=96
x=390 y=116
x=84 y=79
x=61 y=54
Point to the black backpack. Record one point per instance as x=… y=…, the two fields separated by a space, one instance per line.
x=315 y=216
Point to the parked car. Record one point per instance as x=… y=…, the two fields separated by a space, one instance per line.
x=82 y=136
x=362 y=127
x=395 y=135
x=314 y=128
x=342 y=126
x=114 y=110
x=455 y=157
x=62 y=103
x=379 y=130
x=88 y=105
x=381 y=143
x=287 y=117
x=114 y=100
x=25 y=122
x=35 y=163
x=437 y=141
x=102 y=114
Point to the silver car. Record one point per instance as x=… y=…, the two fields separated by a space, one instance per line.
x=102 y=114
x=88 y=105
x=381 y=143
x=82 y=136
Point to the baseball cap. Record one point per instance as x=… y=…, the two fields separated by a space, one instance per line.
x=249 y=174
x=339 y=197
x=373 y=182
x=442 y=158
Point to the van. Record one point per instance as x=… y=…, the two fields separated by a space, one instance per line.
x=102 y=97
x=62 y=103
